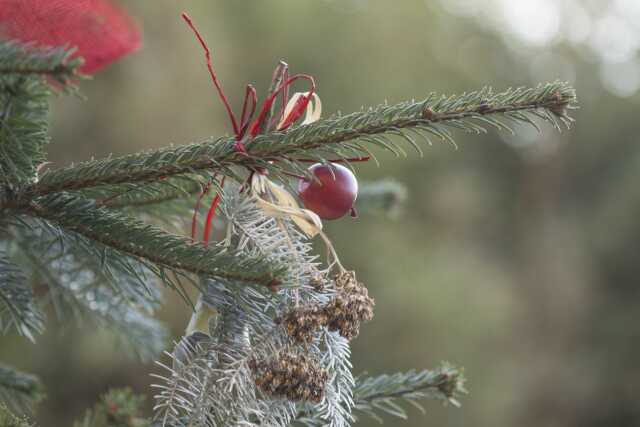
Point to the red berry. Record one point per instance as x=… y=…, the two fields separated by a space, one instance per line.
x=332 y=194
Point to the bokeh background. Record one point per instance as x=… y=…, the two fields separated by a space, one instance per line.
x=515 y=257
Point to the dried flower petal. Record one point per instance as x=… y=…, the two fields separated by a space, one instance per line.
x=299 y=103
x=284 y=205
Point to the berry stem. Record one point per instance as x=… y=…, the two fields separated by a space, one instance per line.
x=333 y=252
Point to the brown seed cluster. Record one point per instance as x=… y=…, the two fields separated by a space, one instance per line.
x=291 y=376
x=302 y=323
x=351 y=306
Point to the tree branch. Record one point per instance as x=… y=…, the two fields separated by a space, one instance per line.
x=17 y=304
x=336 y=137
x=132 y=237
x=18 y=389
x=20 y=59
x=384 y=393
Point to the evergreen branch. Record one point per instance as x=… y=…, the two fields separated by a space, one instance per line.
x=8 y=419
x=20 y=391
x=117 y=408
x=17 y=306
x=326 y=139
x=384 y=393
x=384 y=197
x=19 y=59
x=24 y=109
x=169 y=203
x=86 y=267
x=24 y=105
x=93 y=285
x=160 y=250
x=150 y=195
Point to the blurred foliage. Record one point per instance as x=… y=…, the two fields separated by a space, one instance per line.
x=8 y=419
x=19 y=390
x=117 y=408
x=515 y=257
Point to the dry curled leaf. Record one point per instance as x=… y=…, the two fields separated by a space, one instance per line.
x=283 y=205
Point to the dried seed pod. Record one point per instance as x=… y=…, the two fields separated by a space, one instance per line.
x=302 y=323
x=317 y=282
x=351 y=307
x=291 y=376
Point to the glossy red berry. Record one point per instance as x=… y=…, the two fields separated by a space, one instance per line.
x=332 y=194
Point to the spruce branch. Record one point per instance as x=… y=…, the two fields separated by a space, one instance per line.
x=24 y=105
x=17 y=306
x=24 y=109
x=116 y=408
x=150 y=195
x=385 y=393
x=8 y=419
x=89 y=267
x=18 y=390
x=20 y=59
x=161 y=252
x=91 y=284
x=339 y=137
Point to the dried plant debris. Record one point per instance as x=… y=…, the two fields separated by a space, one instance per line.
x=290 y=376
x=351 y=306
x=301 y=324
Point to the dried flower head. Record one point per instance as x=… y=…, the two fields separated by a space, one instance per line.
x=291 y=376
x=317 y=282
x=302 y=323
x=351 y=307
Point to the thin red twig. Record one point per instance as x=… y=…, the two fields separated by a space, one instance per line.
x=211 y=215
x=214 y=78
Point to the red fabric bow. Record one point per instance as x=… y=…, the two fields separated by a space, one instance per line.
x=101 y=31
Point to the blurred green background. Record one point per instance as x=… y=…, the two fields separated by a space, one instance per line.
x=516 y=257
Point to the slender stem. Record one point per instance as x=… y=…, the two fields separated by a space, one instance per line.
x=212 y=73
x=332 y=251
